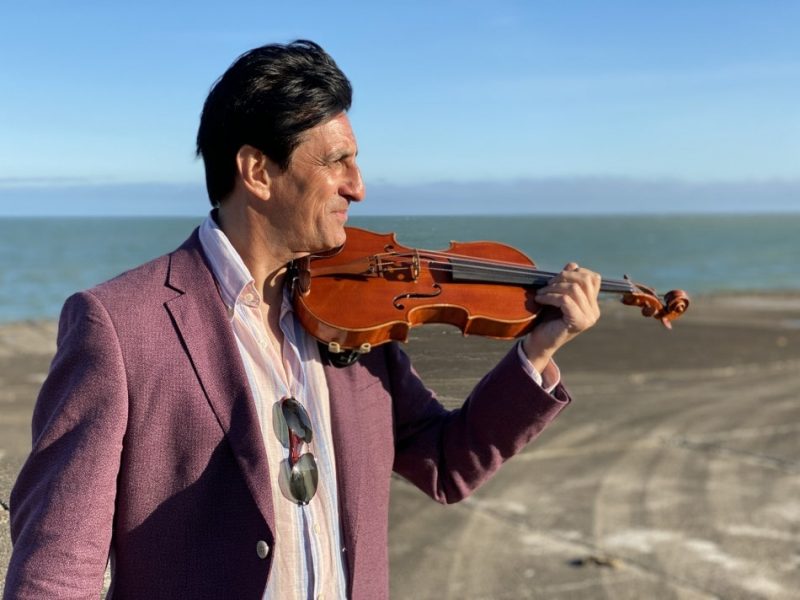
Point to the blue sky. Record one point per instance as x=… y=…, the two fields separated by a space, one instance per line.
x=614 y=105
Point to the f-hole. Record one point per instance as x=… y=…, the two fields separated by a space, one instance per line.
x=437 y=289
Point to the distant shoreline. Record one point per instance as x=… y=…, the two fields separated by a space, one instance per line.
x=570 y=195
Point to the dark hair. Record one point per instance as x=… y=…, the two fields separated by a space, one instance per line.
x=267 y=98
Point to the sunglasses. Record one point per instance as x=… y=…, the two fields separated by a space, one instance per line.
x=299 y=473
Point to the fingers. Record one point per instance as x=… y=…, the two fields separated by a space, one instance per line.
x=574 y=279
x=575 y=292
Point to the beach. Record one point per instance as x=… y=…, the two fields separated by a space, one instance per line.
x=675 y=473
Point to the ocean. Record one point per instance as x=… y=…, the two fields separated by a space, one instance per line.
x=44 y=260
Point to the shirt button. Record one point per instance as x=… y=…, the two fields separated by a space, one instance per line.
x=249 y=297
x=262 y=549
x=317 y=528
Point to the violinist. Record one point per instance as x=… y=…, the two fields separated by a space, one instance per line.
x=194 y=434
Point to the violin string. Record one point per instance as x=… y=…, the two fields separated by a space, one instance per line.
x=508 y=268
x=487 y=265
x=512 y=268
x=447 y=267
x=608 y=285
x=483 y=264
x=504 y=266
x=540 y=280
x=446 y=256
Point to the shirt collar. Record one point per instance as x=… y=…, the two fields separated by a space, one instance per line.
x=236 y=284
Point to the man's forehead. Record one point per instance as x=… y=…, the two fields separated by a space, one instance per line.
x=335 y=133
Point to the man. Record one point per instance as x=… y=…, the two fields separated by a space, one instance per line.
x=191 y=432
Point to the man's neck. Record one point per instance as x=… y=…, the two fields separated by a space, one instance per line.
x=249 y=234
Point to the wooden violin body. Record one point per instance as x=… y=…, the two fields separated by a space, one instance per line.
x=373 y=290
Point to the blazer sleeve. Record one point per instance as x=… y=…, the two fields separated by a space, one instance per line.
x=62 y=505
x=448 y=454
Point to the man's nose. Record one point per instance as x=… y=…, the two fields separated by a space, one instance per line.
x=353 y=187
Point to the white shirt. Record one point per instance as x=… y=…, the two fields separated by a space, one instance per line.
x=307 y=559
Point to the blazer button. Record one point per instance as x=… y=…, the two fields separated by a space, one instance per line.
x=262 y=549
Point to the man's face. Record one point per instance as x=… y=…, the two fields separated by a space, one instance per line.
x=312 y=195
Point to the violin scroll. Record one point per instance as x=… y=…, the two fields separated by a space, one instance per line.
x=673 y=306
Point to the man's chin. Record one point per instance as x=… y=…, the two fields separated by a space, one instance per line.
x=337 y=238
x=328 y=246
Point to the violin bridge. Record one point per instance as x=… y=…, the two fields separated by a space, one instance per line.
x=375 y=265
x=415 y=266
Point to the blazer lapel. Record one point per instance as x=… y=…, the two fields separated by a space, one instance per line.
x=349 y=452
x=202 y=322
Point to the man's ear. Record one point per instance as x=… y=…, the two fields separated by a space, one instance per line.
x=251 y=165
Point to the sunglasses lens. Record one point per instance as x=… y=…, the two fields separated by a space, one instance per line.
x=299 y=473
x=297 y=419
x=303 y=479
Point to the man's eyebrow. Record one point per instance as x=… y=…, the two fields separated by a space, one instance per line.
x=340 y=153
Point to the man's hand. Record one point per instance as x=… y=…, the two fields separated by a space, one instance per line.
x=573 y=291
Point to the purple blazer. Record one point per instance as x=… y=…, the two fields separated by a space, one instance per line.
x=147 y=449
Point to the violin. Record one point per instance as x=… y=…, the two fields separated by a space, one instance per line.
x=373 y=290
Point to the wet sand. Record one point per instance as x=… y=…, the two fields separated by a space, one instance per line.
x=675 y=473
